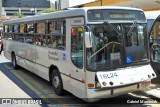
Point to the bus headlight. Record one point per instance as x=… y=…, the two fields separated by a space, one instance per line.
x=153 y=74
x=104 y=83
x=98 y=85
x=149 y=76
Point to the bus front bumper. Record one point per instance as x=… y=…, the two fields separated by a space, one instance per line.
x=97 y=94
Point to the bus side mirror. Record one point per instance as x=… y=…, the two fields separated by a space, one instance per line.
x=88 y=40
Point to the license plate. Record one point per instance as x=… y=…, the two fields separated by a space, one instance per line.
x=144 y=84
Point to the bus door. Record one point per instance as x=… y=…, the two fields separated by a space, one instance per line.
x=76 y=29
x=77 y=65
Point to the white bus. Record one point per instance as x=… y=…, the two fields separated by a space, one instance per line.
x=92 y=52
x=153 y=23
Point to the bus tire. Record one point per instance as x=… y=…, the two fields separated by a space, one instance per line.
x=14 y=61
x=56 y=81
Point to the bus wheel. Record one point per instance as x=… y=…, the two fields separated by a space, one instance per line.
x=14 y=62
x=57 y=82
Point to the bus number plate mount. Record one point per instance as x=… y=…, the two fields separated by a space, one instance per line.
x=104 y=77
x=145 y=84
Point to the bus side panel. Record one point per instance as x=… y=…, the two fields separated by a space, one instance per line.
x=42 y=62
x=21 y=52
x=7 y=53
x=20 y=55
x=18 y=49
x=28 y=51
x=45 y=57
x=10 y=46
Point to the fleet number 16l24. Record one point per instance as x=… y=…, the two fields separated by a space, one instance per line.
x=108 y=75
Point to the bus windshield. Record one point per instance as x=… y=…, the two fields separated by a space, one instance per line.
x=115 y=45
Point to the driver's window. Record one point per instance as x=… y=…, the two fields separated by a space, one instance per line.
x=77 y=46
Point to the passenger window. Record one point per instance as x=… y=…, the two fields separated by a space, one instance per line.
x=38 y=40
x=5 y=31
x=77 y=46
x=29 y=38
x=21 y=38
x=52 y=41
x=30 y=28
x=16 y=28
x=9 y=36
x=5 y=28
x=44 y=40
x=15 y=37
x=41 y=40
x=41 y=37
x=60 y=42
x=22 y=28
x=57 y=27
x=57 y=34
x=10 y=28
x=41 y=27
x=50 y=27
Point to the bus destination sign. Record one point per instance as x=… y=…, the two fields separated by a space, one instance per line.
x=126 y=16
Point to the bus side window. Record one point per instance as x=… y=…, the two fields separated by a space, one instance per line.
x=41 y=30
x=44 y=40
x=21 y=38
x=38 y=40
x=60 y=42
x=30 y=28
x=5 y=31
x=22 y=28
x=10 y=32
x=57 y=34
x=16 y=31
x=21 y=35
x=52 y=41
x=29 y=38
x=41 y=40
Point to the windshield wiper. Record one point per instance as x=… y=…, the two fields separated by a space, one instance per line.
x=132 y=27
x=106 y=22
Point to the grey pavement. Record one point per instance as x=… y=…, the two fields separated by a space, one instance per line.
x=155 y=88
x=8 y=89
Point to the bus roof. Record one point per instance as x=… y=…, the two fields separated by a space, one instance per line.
x=70 y=12
x=152 y=14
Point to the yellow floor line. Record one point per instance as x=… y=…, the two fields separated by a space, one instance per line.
x=32 y=88
x=37 y=84
x=46 y=91
x=8 y=67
